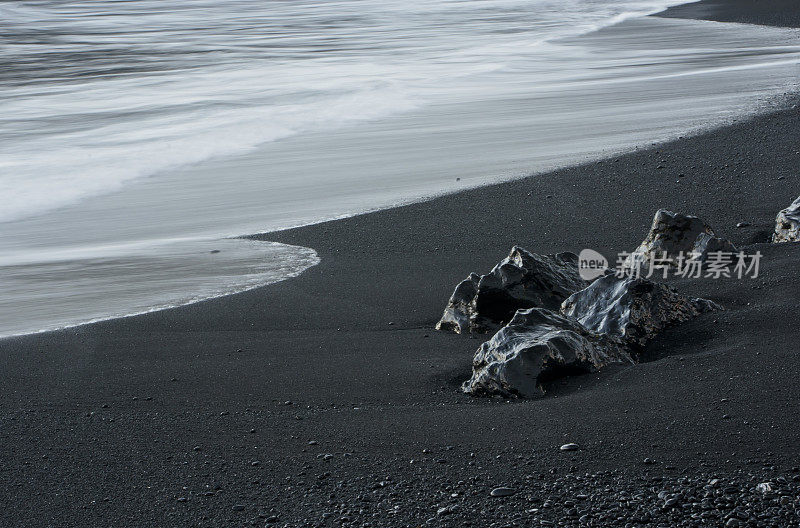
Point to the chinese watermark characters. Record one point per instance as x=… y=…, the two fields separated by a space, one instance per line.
x=715 y=265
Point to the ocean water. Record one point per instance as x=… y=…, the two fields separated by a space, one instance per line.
x=137 y=137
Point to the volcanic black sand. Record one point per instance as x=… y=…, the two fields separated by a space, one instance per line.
x=328 y=399
x=783 y=13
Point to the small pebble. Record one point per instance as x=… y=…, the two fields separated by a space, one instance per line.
x=764 y=487
x=502 y=492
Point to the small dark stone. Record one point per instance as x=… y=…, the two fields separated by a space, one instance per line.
x=502 y=492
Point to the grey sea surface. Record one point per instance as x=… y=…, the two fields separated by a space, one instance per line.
x=137 y=142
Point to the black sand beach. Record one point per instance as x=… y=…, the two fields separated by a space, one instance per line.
x=781 y=13
x=329 y=399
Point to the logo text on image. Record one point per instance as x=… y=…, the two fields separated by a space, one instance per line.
x=591 y=264
x=714 y=265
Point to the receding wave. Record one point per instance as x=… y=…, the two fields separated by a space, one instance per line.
x=82 y=286
x=136 y=136
x=99 y=93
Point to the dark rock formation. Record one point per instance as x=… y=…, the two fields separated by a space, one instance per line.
x=483 y=303
x=787 y=224
x=633 y=310
x=673 y=234
x=706 y=244
x=610 y=321
x=460 y=314
x=535 y=346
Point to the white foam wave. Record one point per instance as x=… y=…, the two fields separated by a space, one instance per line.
x=90 y=134
x=86 y=287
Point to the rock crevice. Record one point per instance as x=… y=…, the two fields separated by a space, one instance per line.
x=632 y=309
x=483 y=303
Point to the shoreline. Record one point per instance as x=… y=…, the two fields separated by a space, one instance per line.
x=302 y=258
x=766 y=105
x=627 y=86
x=123 y=418
x=776 y=13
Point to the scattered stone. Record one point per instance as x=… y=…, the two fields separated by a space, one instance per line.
x=483 y=303
x=672 y=234
x=633 y=310
x=743 y=224
x=502 y=492
x=569 y=447
x=447 y=510
x=610 y=498
x=238 y=507
x=537 y=346
x=764 y=487
x=787 y=224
